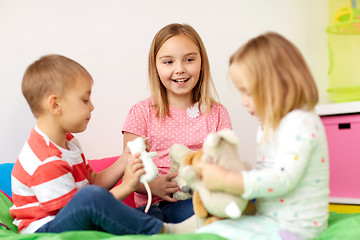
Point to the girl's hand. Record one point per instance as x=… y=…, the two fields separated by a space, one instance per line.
x=212 y=176
x=126 y=155
x=147 y=144
x=133 y=171
x=163 y=187
x=216 y=178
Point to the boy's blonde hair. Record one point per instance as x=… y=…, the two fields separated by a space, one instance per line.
x=204 y=89
x=51 y=74
x=279 y=78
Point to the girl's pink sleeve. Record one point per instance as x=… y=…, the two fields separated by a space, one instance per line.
x=136 y=120
x=224 y=119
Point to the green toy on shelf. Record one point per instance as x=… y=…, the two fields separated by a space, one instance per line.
x=346 y=14
x=347 y=19
x=344 y=50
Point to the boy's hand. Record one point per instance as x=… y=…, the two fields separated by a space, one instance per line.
x=126 y=155
x=133 y=171
x=163 y=187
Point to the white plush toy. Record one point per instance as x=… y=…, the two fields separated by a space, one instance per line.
x=219 y=148
x=177 y=154
x=138 y=146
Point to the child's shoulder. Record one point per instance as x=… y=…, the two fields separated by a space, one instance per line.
x=299 y=118
x=145 y=106
x=217 y=107
x=301 y=114
x=145 y=103
x=215 y=104
x=41 y=145
x=35 y=151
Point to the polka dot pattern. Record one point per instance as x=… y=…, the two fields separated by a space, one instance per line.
x=291 y=179
x=177 y=129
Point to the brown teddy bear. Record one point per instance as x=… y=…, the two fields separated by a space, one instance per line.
x=219 y=148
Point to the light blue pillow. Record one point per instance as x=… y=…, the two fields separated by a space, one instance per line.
x=5 y=177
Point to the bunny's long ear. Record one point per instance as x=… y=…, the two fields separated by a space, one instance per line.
x=212 y=140
x=229 y=135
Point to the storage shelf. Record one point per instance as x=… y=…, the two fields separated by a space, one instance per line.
x=342 y=125
x=344 y=208
x=338 y=108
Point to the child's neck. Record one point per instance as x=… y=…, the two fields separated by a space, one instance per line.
x=180 y=103
x=53 y=132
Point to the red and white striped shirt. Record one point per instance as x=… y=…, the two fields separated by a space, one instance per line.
x=44 y=179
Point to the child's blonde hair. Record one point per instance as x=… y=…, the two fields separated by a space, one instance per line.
x=203 y=91
x=51 y=74
x=279 y=78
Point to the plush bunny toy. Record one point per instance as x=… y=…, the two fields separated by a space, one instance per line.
x=218 y=148
x=138 y=146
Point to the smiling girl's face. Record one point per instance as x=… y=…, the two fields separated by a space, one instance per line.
x=178 y=63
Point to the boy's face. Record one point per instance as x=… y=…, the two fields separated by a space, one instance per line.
x=76 y=106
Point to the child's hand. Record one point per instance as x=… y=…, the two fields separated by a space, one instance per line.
x=126 y=155
x=147 y=144
x=217 y=178
x=133 y=171
x=163 y=187
x=212 y=176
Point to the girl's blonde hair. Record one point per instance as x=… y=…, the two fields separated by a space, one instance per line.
x=279 y=78
x=204 y=89
x=51 y=74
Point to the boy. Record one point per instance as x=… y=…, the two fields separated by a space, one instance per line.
x=51 y=177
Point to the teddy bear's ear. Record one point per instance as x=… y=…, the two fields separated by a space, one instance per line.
x=178 y=152
x=188 y=159
x=198 y=155
x=196 y=159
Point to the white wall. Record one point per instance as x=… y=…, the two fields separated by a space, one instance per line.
x=111 y=39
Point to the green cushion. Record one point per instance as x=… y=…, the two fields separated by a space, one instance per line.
x=342 y=226
x=5 y=218
x=89 y=235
